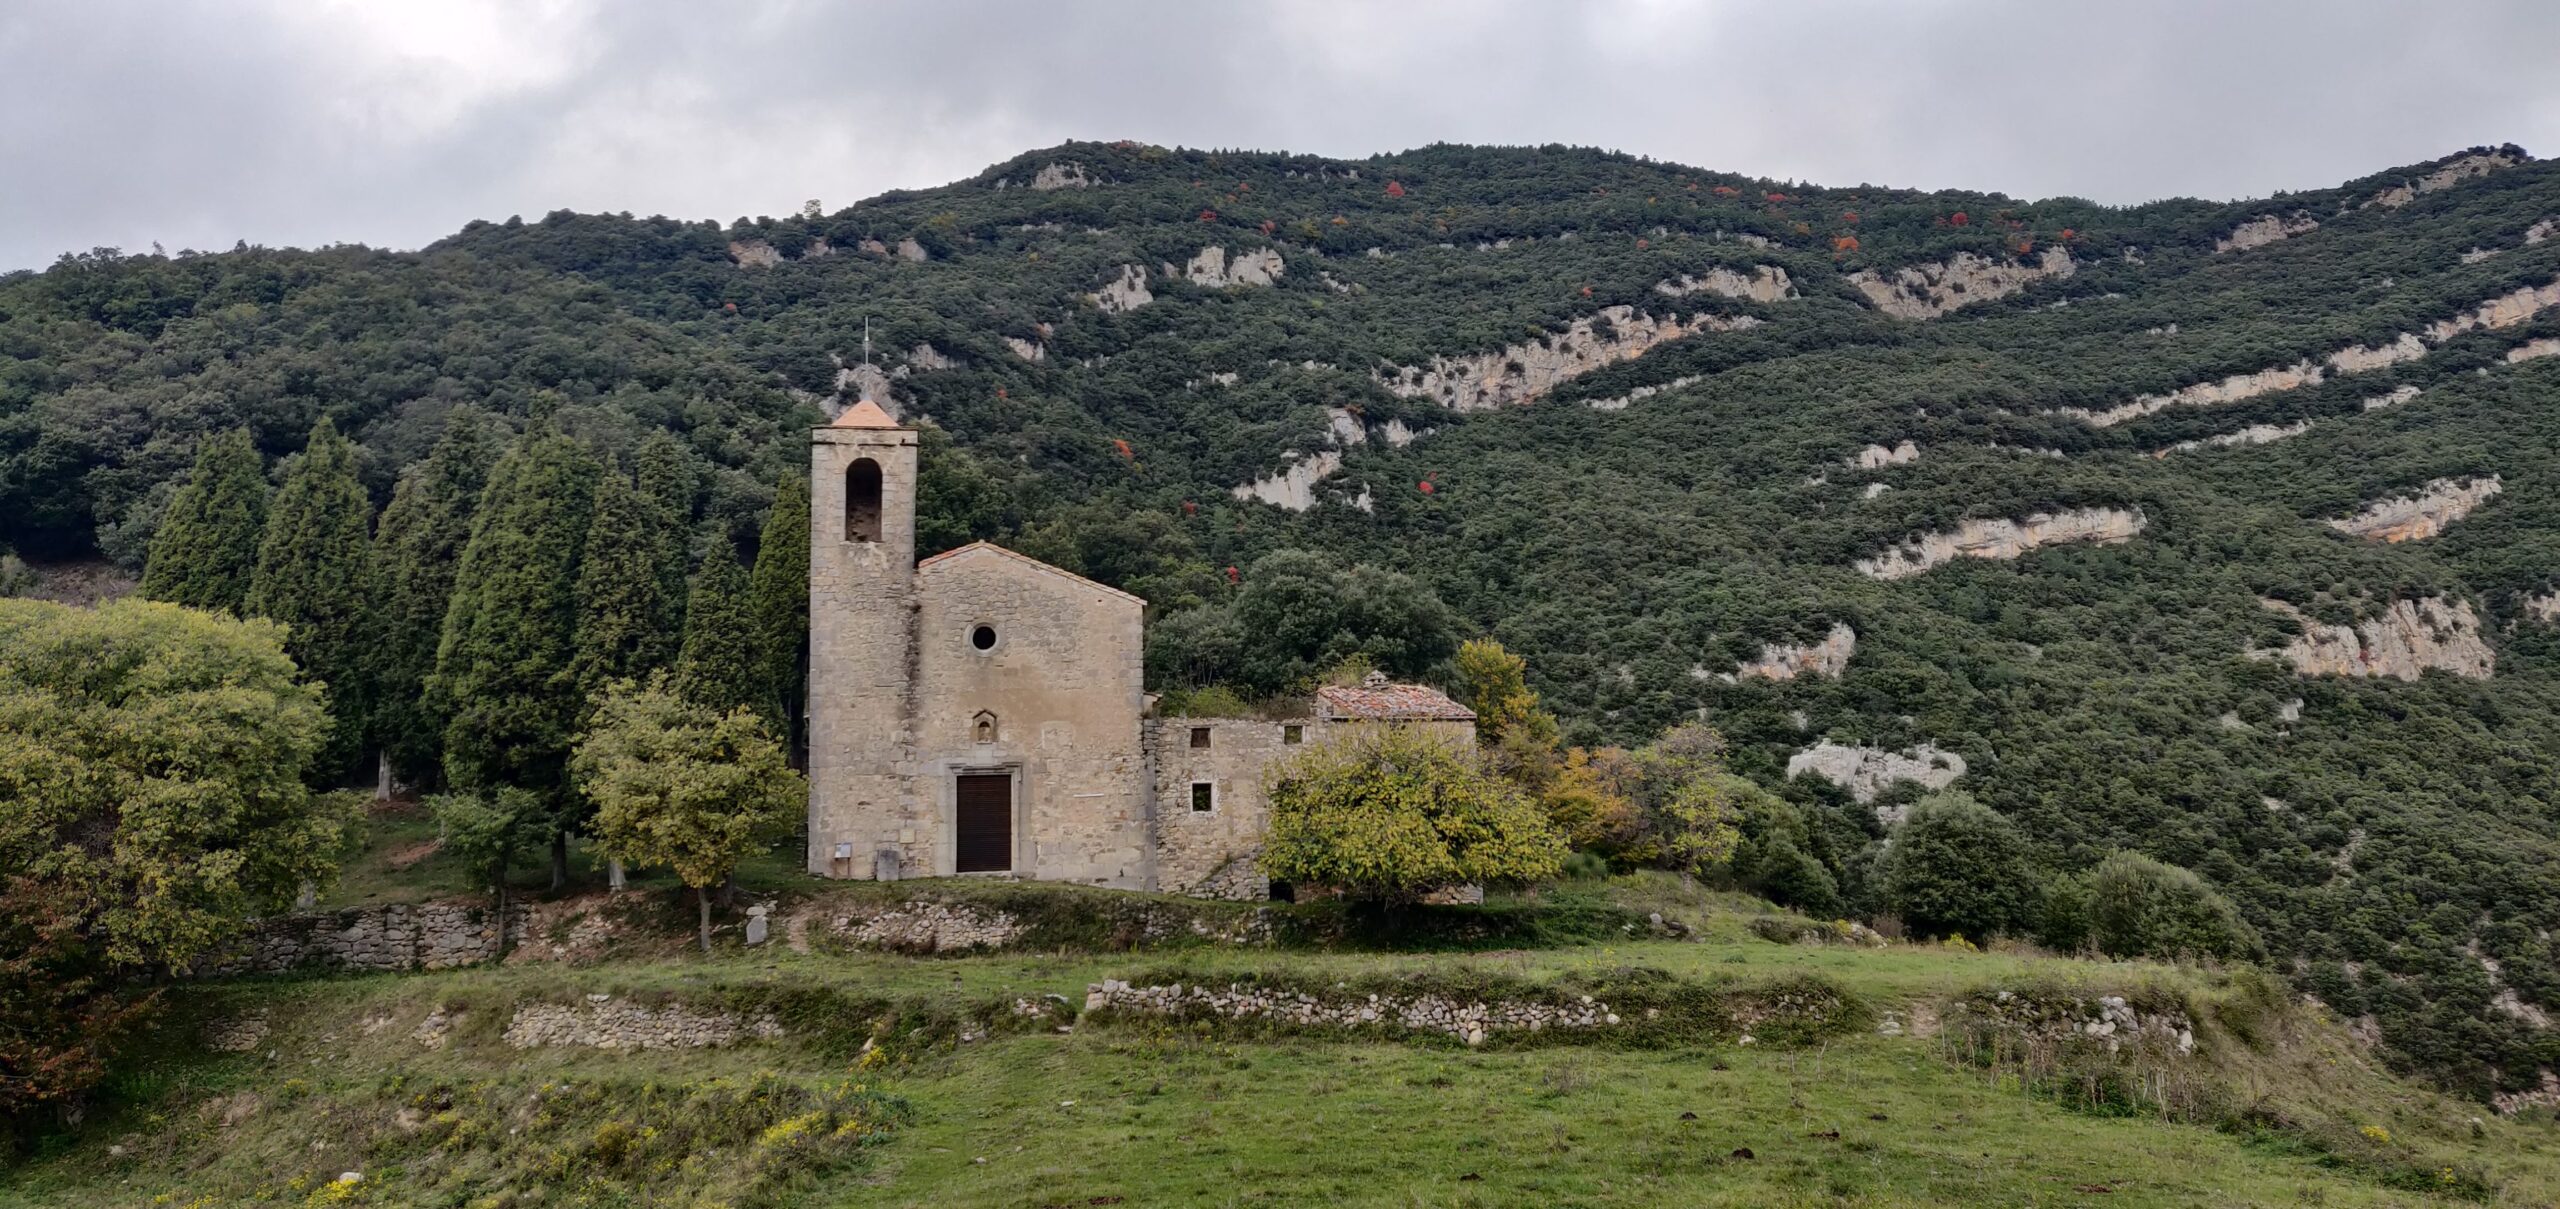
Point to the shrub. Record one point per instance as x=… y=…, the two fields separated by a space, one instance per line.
x=2139 y=907
x=1957 y=867
x=1390 y=814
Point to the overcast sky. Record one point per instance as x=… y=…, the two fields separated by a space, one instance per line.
x=125 y=122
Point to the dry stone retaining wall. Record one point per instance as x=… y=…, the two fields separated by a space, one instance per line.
x=402 y=936
x=603 y=1022
x=1469 y=1021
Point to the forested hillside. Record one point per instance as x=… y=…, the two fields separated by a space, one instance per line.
x=2225 y=532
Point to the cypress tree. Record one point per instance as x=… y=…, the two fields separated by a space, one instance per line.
x=417 y=547
x=779 y=590
x=720 y=666
x=206 y=551
x=668 y=486
x=621 y=612
x=504 y=668
x=312 y=575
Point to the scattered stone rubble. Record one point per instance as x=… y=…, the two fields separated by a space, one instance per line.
x=603 y=1022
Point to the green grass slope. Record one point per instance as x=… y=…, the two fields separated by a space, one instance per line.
x=911 y=1081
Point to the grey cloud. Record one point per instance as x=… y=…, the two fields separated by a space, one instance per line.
x=201 y=124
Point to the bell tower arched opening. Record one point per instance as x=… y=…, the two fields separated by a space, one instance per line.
x=862 y=501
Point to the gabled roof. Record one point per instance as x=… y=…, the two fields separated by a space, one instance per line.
x=1028 y=561
x=1378 y=701
x=865 y=414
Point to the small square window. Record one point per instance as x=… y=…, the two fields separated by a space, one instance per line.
x=1199 y=736
x=1293 y=734
x=1204 y=796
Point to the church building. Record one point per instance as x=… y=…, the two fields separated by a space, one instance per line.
x=983 y=712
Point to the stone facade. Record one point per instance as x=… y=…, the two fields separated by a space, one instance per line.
x=986 y=675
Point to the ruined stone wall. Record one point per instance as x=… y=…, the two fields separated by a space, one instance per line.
x=1061 y=691
x=1212 y=853
x=401 y=936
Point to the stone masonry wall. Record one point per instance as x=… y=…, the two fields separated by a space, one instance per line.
x=1061 y=692
x=1212 y=853
x=402 y=936
x=861 y=662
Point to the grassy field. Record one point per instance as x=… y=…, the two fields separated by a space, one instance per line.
x=882 y=1092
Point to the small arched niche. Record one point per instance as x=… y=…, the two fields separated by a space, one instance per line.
x=983 y=727
x=862 y=501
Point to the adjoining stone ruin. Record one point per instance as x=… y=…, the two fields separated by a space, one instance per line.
x=2467 y=167
x=1214 y=269
x=2403 y=642
x=1867 y=771
x=1786 y=661
x=1124 y=293
x=603 y=1022
x=1522 y=373
x=1767 y=283
x=2001 y=538
x=2255 y=434
x=1926 y=291
x=2506 y=310
x=2423 y=514
x=2263 y=230
x=1877 y=457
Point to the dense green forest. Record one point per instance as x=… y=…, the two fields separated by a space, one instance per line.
x=2396 y=842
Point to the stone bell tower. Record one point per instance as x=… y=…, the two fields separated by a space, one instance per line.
x=864 y=816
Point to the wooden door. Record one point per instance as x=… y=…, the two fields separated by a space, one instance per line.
x=986 y=823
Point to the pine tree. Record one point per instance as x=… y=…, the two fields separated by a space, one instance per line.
x=313 y=575
x=621 y=614
x=504 y=673
x=207 y=548
x=668 y=487
x=779 y=590
x=417 y=547
x=721 y=667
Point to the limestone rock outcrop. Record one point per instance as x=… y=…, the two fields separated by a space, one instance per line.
x=2255 y=434
x=2544 y=608
x=2423 y=514
x=1061 y=176
x=1027 y=350
x=1868 y=771
x=2506 y=310
x=1293 y=486
x=2531 y=349
x=2398 y=396
x=2265 y=229
x=1766 y=283
x=910 y=250
x=1619 y=402
x=2455 y=172
x=2541 y=231
x=1521 y=373
x=1215 y=269
x=2403 y=642
x=2003 y=538
x=754 y=254
x=1877 y=457
x=1124 y=293
x=1788 y=660
x=1926 y=291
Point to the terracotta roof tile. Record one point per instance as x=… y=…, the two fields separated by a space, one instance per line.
x=865 y=414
